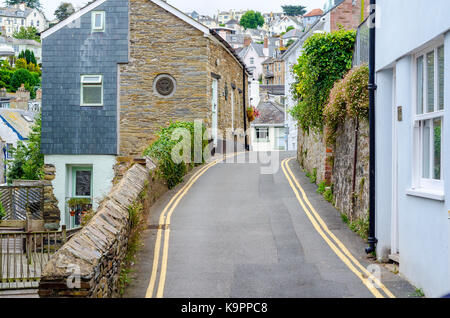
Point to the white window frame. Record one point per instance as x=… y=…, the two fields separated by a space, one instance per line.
x=427 y=187
x=99 y=83
x=103 y=26
x=267 y=139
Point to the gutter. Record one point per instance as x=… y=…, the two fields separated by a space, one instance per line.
x=372 y=240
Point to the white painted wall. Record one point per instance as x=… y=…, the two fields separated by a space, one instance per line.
x=290 y=61
x=424 y=226
x=256 y=67
x=102 y=176
x=271 y=145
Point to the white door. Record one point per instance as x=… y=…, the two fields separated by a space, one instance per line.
x=215 y=110
x=394 y=209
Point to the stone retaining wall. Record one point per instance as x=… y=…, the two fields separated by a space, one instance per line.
x=336 y=165
x=89 y=264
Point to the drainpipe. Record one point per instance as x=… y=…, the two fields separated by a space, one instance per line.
x=372 y=241
x=245 y=109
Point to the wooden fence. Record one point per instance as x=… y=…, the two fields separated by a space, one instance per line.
x=18 y=200
x=23 y=256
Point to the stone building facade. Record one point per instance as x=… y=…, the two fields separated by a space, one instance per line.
x=152 y=65
x=191 y=59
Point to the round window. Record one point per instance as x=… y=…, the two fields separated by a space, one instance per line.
x=164 y=85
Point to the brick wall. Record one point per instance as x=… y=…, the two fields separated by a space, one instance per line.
x=348 y=15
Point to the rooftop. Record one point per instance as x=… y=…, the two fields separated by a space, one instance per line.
x=271 y=113
x=314 y=13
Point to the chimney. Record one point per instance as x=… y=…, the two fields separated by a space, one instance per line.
x=22 y=6
x=247 y=41
x=266 y=47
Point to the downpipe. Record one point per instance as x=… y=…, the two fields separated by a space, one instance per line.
x=372 y=240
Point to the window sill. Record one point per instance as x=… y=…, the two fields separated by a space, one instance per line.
x=426 y=194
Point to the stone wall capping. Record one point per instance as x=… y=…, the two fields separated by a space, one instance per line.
x=97 y=250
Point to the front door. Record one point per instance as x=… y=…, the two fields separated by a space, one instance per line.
x=215 y=109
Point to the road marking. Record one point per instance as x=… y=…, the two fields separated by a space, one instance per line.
x=173 y=203
x=315 y=219
x=151 y=286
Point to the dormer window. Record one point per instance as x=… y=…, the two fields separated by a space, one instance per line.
x=98 y=21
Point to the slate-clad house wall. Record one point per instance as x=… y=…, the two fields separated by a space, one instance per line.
x=69 y=53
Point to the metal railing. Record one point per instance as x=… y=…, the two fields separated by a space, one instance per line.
x=17 y=200
x=361 y=52
x=23 y=256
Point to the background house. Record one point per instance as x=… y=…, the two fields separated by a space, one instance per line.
x=15 y=125
x=268 y=131
x=14 y=17
x=127 y=80
x=311 y=17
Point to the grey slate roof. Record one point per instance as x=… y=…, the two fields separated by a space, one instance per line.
x=12 y=12
x=295 y=33
x=271 y=114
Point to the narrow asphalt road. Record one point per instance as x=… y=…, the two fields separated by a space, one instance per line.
x=238 y=232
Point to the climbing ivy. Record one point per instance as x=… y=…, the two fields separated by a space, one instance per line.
x=348 y=98
x=326 y=58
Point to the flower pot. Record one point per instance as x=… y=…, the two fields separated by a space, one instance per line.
x=250 y=115
x=72 y=213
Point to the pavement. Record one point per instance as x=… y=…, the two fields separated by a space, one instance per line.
x=241 y=233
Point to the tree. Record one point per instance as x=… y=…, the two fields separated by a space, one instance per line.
x=28 y=161
x=33 y=4
x=28 y=56
x=289 y=28
x=29 y=33
x=252 y=20
x=294 y=10
x=64 y=10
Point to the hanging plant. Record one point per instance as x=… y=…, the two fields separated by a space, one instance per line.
x=253 y=113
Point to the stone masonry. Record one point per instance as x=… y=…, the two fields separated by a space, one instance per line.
x=161 y=43
x=89 y=264
x=335 y=165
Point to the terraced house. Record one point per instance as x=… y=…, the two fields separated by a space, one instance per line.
x=118 y=70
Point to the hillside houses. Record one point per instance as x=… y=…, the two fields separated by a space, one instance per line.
x=14 y=17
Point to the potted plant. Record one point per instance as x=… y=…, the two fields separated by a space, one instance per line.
x=78 y=204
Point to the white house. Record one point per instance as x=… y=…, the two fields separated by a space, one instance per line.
x=412 y=133
x=281 y=25
x=290 y=57
x=19 y=45
x=268 y=131
x=14 y=17
x=253 y=56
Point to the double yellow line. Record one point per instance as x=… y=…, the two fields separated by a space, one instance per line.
x=371 y=282
x=164 y=223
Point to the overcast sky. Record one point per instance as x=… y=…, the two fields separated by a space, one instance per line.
x=209 y=7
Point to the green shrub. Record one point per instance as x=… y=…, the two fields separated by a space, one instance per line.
x=163 y=147
x=348 y=98
x=322 y=187
x=328 y=194
x=326 y=58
